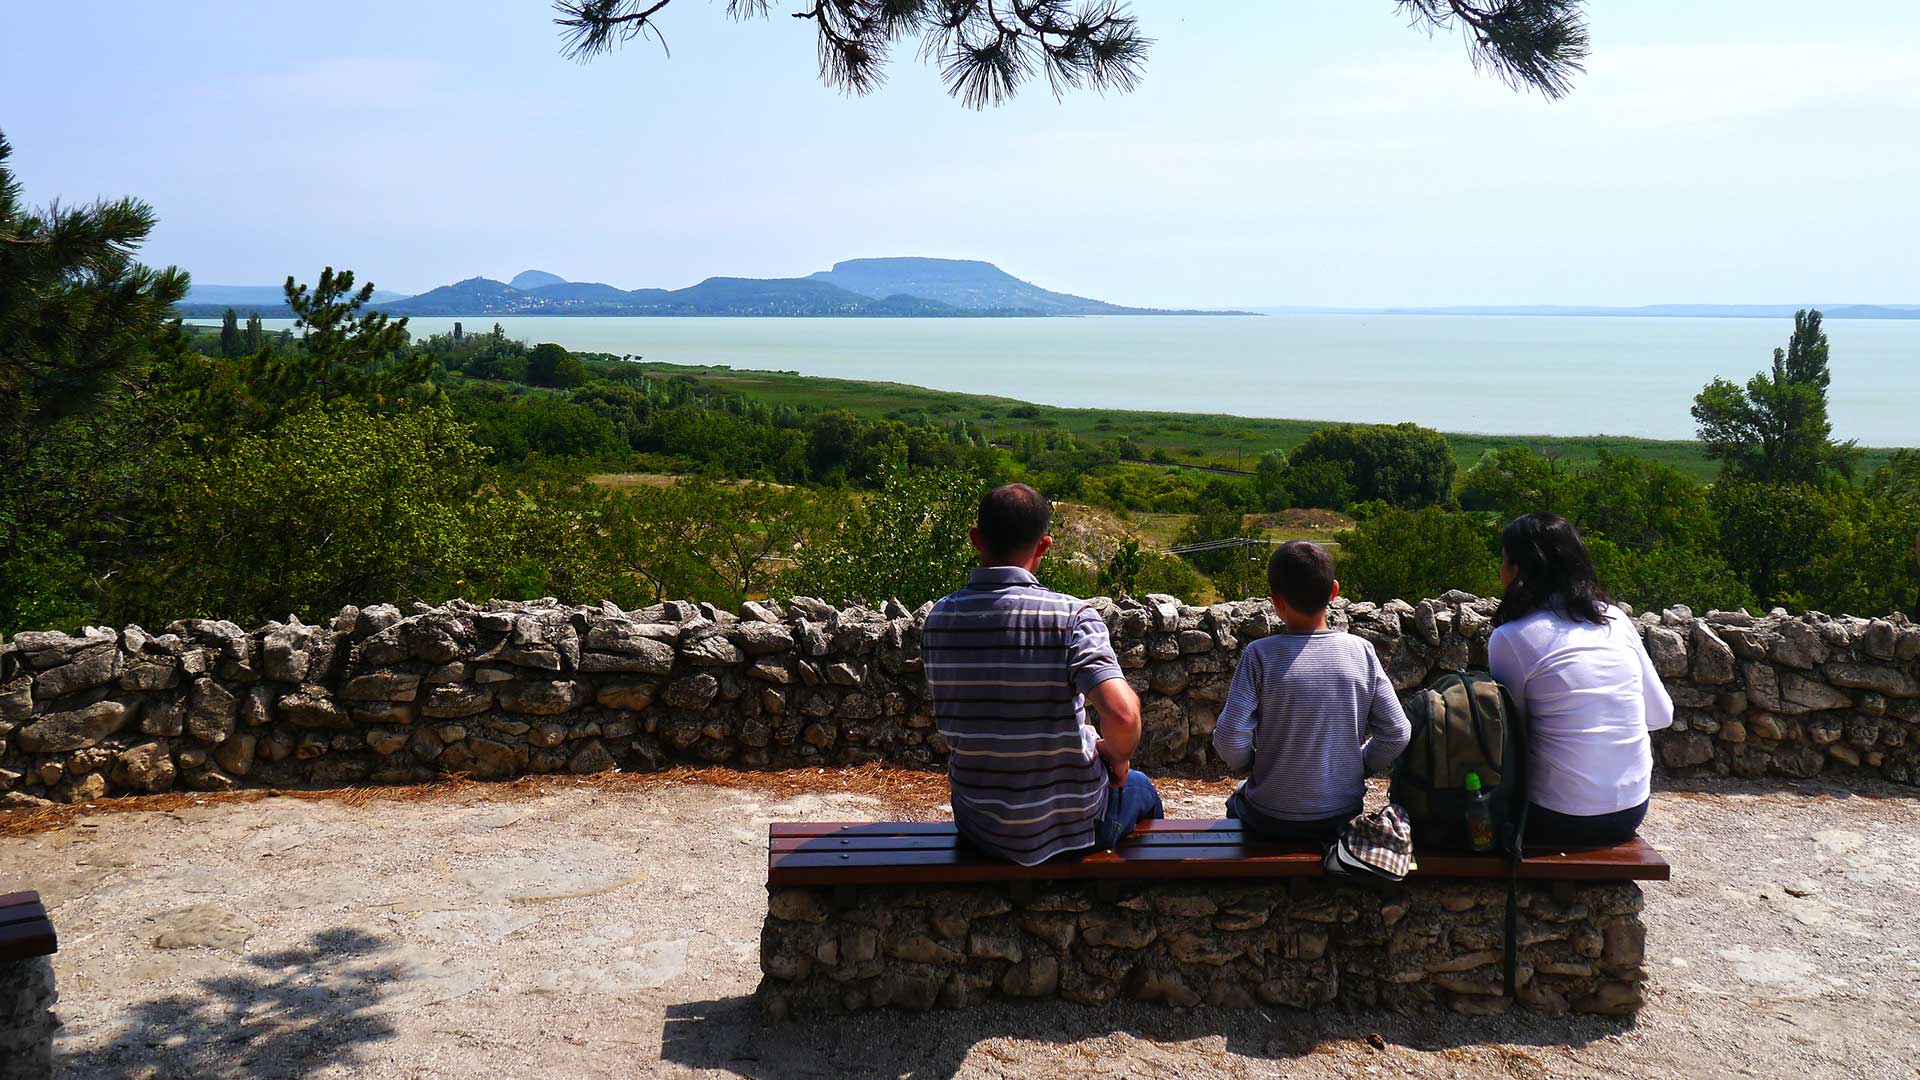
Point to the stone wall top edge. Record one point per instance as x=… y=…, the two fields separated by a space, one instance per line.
x=1163 y=611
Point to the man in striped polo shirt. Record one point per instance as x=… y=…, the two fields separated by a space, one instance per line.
x=1010 y=667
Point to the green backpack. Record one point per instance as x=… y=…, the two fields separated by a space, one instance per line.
x=1463 y=722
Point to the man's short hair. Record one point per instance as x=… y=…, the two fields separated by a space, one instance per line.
x=1013 y=518
x=1301 y=573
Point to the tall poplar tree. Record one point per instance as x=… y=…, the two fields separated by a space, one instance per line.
x=1775 y=430
x=230 y=341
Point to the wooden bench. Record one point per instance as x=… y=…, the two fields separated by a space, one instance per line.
x=907 y=914
x=25 y=930
x=26 y=987
x=931 y=852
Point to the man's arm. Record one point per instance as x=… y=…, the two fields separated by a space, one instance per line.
x=1119 y=709
x=1096 y=674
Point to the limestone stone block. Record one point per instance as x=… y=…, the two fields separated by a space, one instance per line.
x=73 y=730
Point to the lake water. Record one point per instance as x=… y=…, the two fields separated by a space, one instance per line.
x=1536 y=375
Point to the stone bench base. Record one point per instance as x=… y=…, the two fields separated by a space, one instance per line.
x=26 y=1025
x=1422 y=945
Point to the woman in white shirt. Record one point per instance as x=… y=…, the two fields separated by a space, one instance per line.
x=1576 y=664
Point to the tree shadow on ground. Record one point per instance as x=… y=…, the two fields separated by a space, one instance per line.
x=287 y=1014
x=730 y=1035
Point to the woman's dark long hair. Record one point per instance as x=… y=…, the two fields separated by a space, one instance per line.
x=1555 y=570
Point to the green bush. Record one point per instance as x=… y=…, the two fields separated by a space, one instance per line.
x=335 y=506
x=1410 y=554
x=907 y=543
x=1402 y=464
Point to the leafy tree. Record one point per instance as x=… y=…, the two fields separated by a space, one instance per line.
x=832 y=437
x=1122 y=570
x=77 y=314
x=550 y=532
x=988 y=51
x=1515 y=481
x=255 y=338
x=1319 y=485
x=1170 y=575
x=1833 y=547
x=550 y=365
x=336 y=505
x=908 y=542
x=1219 y=525
x=80 y=325
x=1402 y=464
x=1270 y=481
x=515 y=429
x=1244 y=575
x=1411 y=554
x=1657 y=578
x=1640 y=503
x=231 y=343
x=1776 y=430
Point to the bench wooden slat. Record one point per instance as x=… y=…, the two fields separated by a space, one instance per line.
x=953 y=841
x=1223 y=860
x=789 y=829
x=874 y=853
x=19 y=913
x=22 y=941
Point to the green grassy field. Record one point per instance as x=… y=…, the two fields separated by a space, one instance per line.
x=1225 y=441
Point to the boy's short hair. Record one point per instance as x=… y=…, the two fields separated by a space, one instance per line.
x=1013 y=518
x=1301 y=573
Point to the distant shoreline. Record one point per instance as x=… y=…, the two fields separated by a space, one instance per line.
x=215 y=311
x=1651 y=311
x=1854 y=311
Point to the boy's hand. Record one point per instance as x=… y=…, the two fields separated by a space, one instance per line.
x=1118 y=765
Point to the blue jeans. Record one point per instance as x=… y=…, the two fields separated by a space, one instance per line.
x=1127 y=806
x=1552 y=828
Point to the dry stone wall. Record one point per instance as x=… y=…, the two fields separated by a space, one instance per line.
x=505 y=688
x=26 y=1021
x=1418 y=946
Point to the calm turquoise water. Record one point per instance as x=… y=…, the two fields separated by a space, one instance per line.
x=1544 y=375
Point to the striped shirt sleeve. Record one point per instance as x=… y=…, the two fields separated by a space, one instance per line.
x=1388 y=731
x=1233 y=730
x=1090 y=651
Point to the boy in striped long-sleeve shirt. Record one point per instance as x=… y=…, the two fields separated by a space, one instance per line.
x=1309 y=713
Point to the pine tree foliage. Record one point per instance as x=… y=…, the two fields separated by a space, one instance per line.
x=77 y=313
x=989 y=50
x=347 y=351
x=1527 y=44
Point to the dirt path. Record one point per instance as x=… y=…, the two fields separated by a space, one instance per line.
x=612 y=931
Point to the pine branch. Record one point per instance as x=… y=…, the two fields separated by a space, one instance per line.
x=1527 y=44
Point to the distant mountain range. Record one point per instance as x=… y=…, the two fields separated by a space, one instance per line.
x=256 y=297
x=855 y=288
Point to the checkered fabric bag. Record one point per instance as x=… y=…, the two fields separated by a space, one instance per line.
x=1376 y=843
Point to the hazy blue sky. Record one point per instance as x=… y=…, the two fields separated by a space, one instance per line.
x=1299 y=153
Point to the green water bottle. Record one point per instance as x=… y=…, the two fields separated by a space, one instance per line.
x=1479 y=815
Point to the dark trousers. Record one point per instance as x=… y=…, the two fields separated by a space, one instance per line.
x=1267 y=827
x=1554 y=829
x=1127 y=805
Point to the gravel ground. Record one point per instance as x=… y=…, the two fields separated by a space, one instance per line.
x=571 y=930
